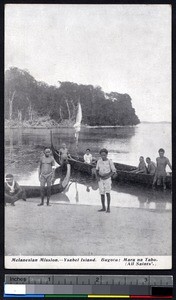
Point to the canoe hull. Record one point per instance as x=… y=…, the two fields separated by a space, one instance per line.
x=145 y=179
x=123 y=171
x=34 y=191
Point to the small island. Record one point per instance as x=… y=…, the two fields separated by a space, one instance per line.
x=31 y=103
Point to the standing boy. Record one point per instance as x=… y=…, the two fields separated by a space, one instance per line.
x=63 y=153
x=88 y=157
x=46 y=174
x=161 y=163
x=13 y=192
x=104 y=170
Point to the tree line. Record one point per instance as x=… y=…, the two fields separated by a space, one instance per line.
x=27 y=99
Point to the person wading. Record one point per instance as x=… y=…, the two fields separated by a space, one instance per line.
x=104 y=170
x=161 y=164
x=46 y=174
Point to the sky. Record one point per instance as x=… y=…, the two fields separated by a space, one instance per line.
x=122 y=48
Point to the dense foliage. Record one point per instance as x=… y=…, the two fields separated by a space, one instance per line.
x=26 y=99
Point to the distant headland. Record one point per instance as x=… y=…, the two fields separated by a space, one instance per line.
x=31 y=103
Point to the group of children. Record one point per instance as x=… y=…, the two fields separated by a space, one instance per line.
x=105 y=169
x=158 y=169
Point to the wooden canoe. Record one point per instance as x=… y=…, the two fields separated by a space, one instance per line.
x=34 y=191
x=124 y=173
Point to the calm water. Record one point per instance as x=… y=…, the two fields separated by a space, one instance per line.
x=125 y=144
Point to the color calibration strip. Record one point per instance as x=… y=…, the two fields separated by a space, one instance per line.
x=89 y=296
x=89 y=286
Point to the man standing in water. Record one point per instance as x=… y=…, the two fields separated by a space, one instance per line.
x=104 y=170
x=161 y=164
x=46 y=174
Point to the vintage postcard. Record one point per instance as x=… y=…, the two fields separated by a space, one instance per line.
x=88 y=162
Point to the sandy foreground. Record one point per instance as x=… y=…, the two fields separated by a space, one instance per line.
x=65 y=229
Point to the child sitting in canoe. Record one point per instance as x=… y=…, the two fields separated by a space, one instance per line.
x=104 y=170
x=141 y=167
x=13 y=192
x=88 y=157
x=151 y=166
x=161 y=164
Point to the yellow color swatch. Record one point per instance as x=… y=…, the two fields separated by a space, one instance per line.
x=109 y=296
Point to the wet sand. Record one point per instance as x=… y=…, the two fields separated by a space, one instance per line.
x=65 y=229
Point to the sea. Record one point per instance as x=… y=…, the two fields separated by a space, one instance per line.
x=24 y=147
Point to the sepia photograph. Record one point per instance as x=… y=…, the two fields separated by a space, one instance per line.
x=88 y=161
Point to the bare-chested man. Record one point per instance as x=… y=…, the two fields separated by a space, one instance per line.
x=160 y=174
x=46 y=174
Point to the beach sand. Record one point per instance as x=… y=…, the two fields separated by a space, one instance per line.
x=64 y=229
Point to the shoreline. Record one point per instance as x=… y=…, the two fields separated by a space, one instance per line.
x=70 y=127
x=87 y=227
x=37 y=200
x=59 y=126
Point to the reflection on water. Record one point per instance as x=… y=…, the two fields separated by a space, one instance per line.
x=83 y=190
x=97 y=138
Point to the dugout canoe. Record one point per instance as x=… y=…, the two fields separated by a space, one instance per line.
x=123 y=171
x=34 y=191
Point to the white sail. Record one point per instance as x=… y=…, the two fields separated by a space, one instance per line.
x=77 y=125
